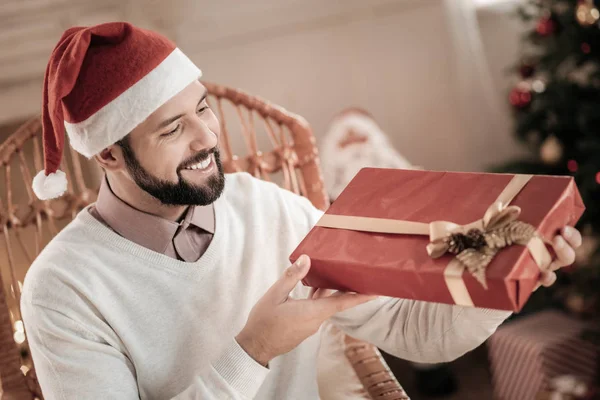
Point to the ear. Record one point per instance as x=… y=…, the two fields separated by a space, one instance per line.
x=111 y=158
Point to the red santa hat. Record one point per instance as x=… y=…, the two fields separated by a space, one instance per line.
x=100 y=83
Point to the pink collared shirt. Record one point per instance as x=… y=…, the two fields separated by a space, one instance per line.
x=186 y=240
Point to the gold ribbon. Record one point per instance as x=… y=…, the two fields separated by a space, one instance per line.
x=443 y=234
x=497 y=216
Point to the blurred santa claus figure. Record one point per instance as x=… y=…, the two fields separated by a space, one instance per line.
x=354 y=141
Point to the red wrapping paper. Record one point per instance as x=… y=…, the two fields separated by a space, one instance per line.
x=526 y=354
x=398 y=265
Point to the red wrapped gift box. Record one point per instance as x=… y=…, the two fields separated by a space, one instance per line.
x=349 y=251
x=528 y=353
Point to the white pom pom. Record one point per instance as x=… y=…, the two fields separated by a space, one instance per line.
x=51 y=186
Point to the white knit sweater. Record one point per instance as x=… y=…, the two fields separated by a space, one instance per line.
x=109 y=319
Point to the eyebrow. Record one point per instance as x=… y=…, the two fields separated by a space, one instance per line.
x=168 y=121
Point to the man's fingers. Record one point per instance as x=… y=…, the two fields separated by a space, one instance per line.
x=333 y=293
x=293 y=274
x=565 y=255
x=547 y=278
x=320 y=293
x=572 y=236
x=341 y=301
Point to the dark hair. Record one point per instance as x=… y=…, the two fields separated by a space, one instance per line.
x=130 y=159
x=124 y=143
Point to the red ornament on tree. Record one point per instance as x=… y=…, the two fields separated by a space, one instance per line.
x=546 y=26
x=520 y=97
x=586 y=48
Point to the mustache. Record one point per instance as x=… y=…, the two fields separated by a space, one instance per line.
x=201 y=156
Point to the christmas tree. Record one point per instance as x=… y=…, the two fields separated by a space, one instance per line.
x=556 y=105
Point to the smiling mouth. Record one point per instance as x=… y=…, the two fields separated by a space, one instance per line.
x=201 y=165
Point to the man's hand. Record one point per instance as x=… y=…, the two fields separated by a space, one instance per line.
x=278 y=323
x=564 y=246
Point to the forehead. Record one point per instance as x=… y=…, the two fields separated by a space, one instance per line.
x=181 y=103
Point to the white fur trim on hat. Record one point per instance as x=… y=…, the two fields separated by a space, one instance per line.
x=119 y=117
x=48 y=187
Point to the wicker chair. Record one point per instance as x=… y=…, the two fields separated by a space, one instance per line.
x=28 y=224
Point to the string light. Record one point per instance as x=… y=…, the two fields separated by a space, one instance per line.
x=19 y=335
x=538 y=86
x=572 y=165
x=19 y=326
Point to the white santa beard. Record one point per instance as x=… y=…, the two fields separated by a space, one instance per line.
x=340 y=165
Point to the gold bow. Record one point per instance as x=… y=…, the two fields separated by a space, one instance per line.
x=476 y=244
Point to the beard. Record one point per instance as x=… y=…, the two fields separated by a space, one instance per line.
x=182 y=192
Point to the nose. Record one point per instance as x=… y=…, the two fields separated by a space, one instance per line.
x=203 y=138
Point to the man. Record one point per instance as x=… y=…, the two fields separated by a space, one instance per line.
x=174 y=285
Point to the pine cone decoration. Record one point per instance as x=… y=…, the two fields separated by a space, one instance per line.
x=476 y=262
x=457 y=242
x=516 y=232
x=476 y=249
x=476 y=239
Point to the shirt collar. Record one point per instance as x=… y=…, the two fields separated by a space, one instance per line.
x=203 y=217
x=147 y=230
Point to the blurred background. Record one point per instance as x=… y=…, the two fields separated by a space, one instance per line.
x=463 y=85
x=400 y=59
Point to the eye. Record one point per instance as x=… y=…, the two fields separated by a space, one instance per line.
x=166 y=134
x=202 y=109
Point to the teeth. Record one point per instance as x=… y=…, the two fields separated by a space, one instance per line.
x=200 y=165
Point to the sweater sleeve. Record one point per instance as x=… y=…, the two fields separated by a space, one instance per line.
x=72 y=362
x=419 y=331
x=412 y=330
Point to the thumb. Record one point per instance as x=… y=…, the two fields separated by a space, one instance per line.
x=341 y=301
x=281 y=289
